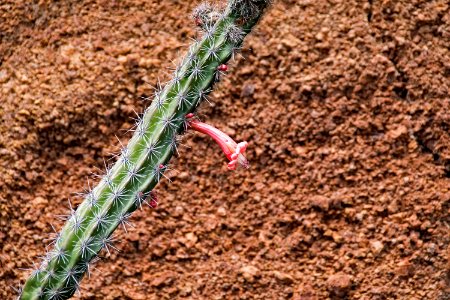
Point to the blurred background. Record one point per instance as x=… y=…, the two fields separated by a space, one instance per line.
x=345 y=105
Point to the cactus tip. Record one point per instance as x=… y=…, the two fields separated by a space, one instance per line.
x=122 y=218
x=85 y=247
x=107 y=243
x=249 y=9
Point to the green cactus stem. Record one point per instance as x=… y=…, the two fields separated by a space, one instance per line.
x=142 y=163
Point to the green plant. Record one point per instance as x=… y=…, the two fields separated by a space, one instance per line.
x=141 y=165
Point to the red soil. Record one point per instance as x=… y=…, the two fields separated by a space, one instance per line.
x=345 y=105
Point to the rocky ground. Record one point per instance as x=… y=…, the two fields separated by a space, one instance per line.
x=345 y=105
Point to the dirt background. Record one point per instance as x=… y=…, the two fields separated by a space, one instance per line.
x=345 y=105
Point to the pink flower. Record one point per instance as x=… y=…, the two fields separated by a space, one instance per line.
x=233 y=151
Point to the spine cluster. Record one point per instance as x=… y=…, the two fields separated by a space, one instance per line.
x=128 y=184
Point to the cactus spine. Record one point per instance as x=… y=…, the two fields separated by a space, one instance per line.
x=142 y=163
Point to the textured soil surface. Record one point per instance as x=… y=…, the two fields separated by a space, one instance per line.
x=345 y=105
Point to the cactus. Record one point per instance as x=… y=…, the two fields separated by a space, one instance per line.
x=142 y=163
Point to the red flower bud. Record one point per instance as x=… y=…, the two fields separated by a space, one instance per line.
x=222 y=68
